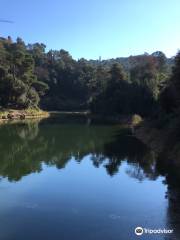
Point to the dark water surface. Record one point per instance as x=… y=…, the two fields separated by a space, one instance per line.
x=85 y=182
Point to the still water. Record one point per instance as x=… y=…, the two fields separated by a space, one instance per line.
x=80 y=181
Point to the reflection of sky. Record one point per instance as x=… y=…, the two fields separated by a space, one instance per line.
x=80 y=201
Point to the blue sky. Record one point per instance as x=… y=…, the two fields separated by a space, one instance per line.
x=93 y=28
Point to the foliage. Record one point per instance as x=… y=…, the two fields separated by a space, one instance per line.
x=170 y=96
x=19 y=87
x=53 y=80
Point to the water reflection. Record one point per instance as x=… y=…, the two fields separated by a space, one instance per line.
x=125 y=146
x=171 y=171
x=26 y=146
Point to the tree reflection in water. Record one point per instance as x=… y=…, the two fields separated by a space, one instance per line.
x=25 y=146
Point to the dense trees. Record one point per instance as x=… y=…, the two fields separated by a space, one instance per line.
x=19 y=86
x=53 y=80
x=114 y=96
x=137 y=90
x=170 y=96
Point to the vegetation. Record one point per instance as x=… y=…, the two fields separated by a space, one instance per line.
x=30 y=77
x=144 y=85
x=161 y=132
x=19 y=86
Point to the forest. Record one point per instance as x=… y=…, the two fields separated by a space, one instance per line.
x=31 y=77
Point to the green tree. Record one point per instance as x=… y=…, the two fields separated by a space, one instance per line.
x=170 y=96
x=17 y=78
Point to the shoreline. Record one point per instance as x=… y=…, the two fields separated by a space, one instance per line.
x=10 y=115
x=130 y=120
x=7 y=115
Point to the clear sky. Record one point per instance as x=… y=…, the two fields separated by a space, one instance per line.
x=93 y=28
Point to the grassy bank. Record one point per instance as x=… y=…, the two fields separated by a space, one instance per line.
x=14 y=114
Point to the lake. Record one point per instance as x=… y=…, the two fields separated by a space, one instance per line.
x=75 y=180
